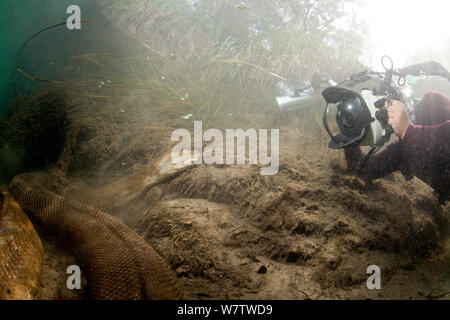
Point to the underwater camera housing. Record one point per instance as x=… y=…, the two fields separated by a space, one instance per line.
x=359 y=106
x=357 y=117
x=356 y=110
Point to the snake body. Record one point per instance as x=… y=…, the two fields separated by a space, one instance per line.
x=118 y=263
x=20 y=251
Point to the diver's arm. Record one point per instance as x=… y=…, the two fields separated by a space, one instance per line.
x=428 y=148
x=420 y=145
x=389 y=160
x=431 y=138
x=353 y=156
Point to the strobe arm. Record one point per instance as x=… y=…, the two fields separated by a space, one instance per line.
x=430 y=68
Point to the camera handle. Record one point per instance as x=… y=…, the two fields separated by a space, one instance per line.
x=391 y=94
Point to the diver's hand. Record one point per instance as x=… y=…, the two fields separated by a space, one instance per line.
x=398 y=118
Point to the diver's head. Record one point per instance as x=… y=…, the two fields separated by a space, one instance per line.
x=433 y=109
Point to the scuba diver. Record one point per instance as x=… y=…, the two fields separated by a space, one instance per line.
x=423 y=148
x=368 y=107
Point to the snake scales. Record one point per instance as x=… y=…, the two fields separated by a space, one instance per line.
x=20 y=251
x=118 y=263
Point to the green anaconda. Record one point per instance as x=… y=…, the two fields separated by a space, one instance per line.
x=119 y=264
x=20 y=251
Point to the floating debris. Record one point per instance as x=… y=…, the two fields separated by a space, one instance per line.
x=121 y=110
x=187 y=116
x=241 y=6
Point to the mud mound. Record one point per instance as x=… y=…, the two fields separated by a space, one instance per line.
x=332 y=228
x=195 y=237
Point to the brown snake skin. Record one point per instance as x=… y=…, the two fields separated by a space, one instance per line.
x=20 y=252
x=118 y=263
